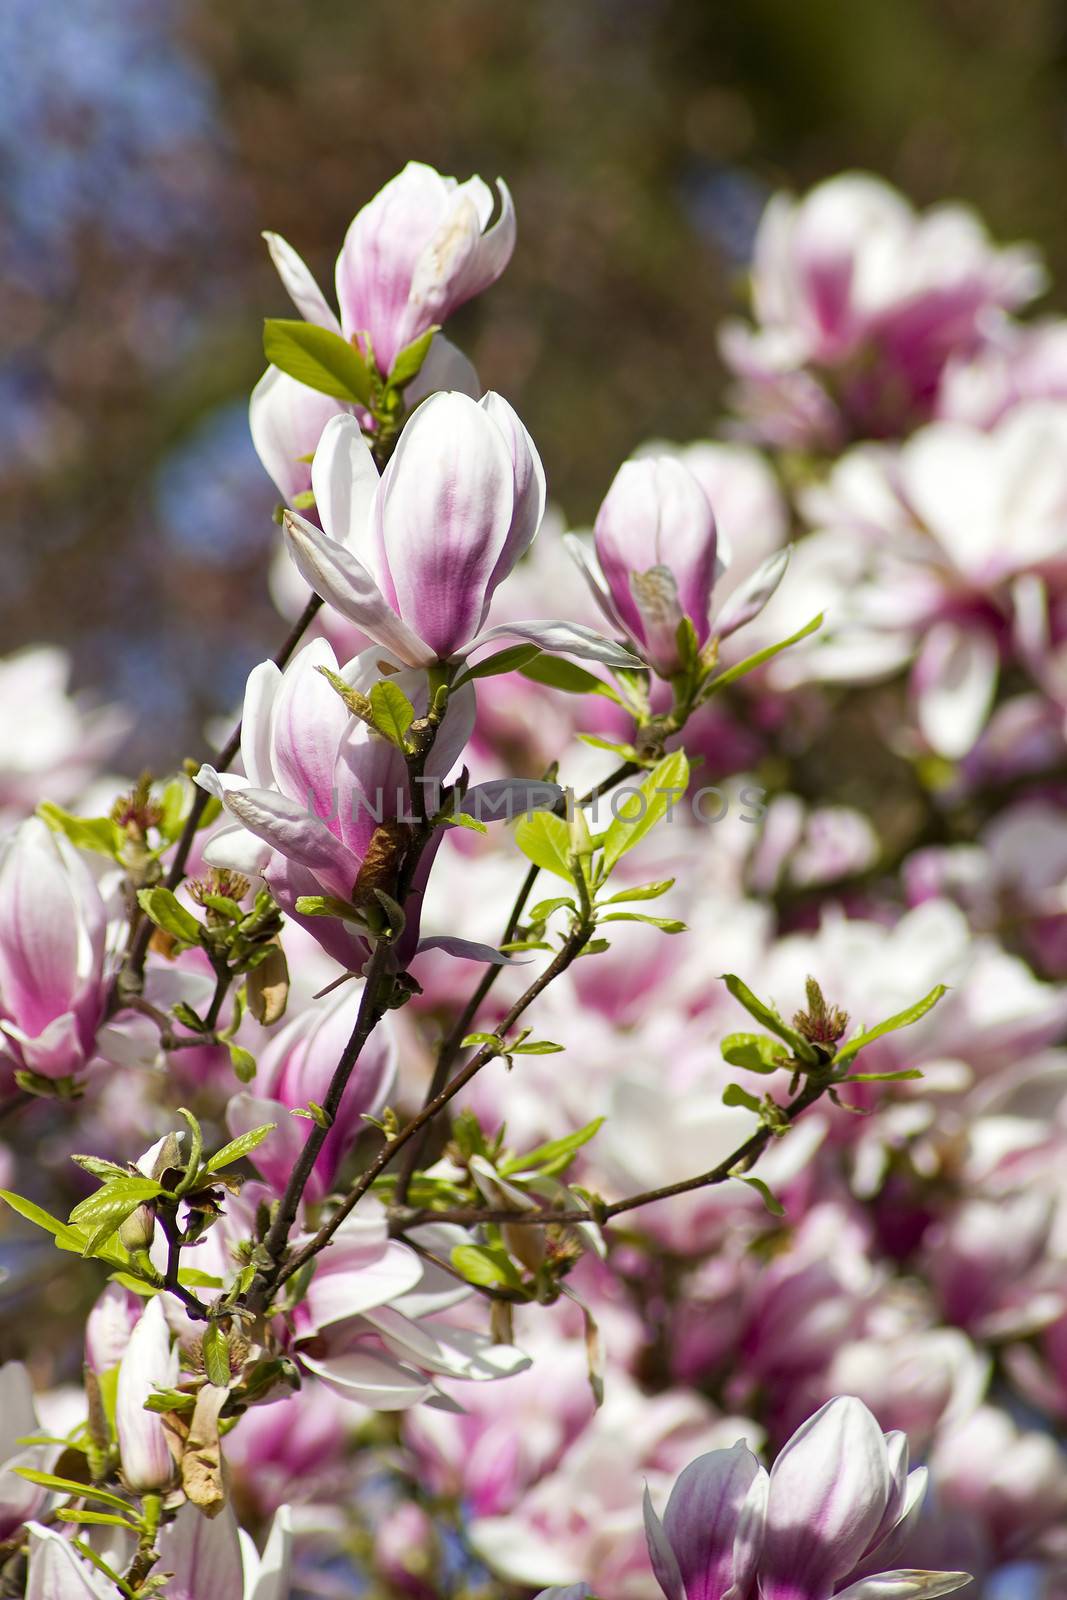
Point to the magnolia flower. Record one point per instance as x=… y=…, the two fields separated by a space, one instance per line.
x=294 y=1070
x=148 y=1364
x=57 y=1571
x=319 y=783
x=370 y=1327
x=656 y=546
x=849 y=281
x=19 y=1499
x=212 y=1556
x=414 y=558
x=50 y=743
x=52 y=951
x=838 y=1502
x=417 y=251
x=961 y=540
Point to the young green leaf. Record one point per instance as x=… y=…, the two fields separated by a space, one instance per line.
x=536 y=1047
x=544 y=839
x=393 y=712
x=317 y=357
x=750 y=663
x=667 y=924
x=558 y=673
x=734 y=1095
x=753 y=1051
x=485 y=1265
x=512 y=659
x=237 y=1148
x=162 y=908
x=801 y=1047
x=71 y=1486
x=552 y=1158
x=643 y=891
x=408 y=362
x=86 y=833
x=773 y=1205
x=642 y=809
x=216 y=1351
x=902 y=1019
x=243 y=1062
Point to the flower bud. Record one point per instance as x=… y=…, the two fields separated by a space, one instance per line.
x=149 y=1364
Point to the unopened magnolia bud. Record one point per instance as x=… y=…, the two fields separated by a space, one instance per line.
x=139 y=1229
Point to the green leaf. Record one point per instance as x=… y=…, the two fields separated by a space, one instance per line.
x=536 y=1047
x=83 y=1491
x=216 y=1356
x=243 y=1062
x=485 y=1265
x=86 y=833
x=544 y=908
x=902 y=1019
x=193 y=1278
x=668 y=924
x=103 y=1213
x=100 y=1168
x=801 y=1047
x=66 y=1237
x=750 y=663
x=640 y=811
x=553 y=1157
x=162 y=908
x=182 y=1012
x=753 y=1051
x=326 y=905
x=774 y=1206
x=644 y=891
x=734 y=1095
x=473 y=1039
x=104 y=1518
x=461 y=819
x=240 y=1147
x=881 y=1077
x=224 y=906
x=409 y=360
x=174 y=805
x=393 y=712
x=558 y=673
x=318 y=357
x=513 y=659
x=545 y=840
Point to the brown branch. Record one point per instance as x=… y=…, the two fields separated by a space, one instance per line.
x=572 y=947
x=735 y=1165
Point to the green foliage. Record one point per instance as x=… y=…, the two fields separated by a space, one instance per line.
x=317 y=357
x=545 y=840
x=640 y=812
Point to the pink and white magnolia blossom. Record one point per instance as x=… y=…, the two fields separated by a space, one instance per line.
x=212 y=1556
x=318 y=782
x=959 y=539
x=414 y=557
x=585 y=1515
x=657 y=562
x=837 y=1503
x=414 y=254
x=19 y=1498
x=858 y=304
x=53 y=928
x=58 y=1572
x=372 y=1327
x=294 y=1070
x=51 y=742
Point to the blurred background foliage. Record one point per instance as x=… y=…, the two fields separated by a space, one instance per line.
x=145 y=143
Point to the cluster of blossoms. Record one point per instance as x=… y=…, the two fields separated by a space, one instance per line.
x=458 y=1231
